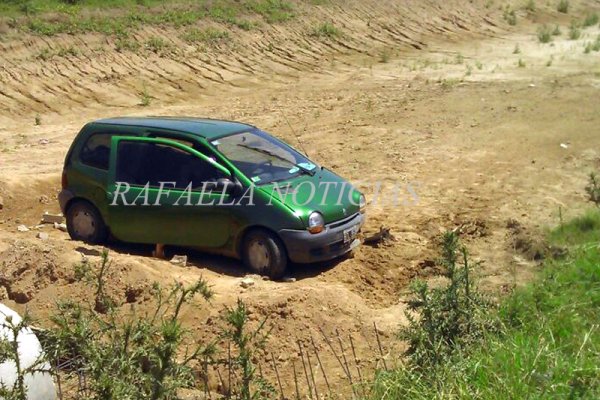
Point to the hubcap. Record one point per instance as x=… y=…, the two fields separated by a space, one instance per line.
x=258 y=255
x=83 y=224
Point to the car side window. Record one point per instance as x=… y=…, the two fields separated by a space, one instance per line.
x=96 y=150
x=139 y=163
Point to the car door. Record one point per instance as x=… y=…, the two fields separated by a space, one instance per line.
x=159 y=192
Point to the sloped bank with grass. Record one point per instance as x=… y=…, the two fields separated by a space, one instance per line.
x=541 y=342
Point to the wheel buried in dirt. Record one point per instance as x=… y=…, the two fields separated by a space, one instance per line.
x=85 y=223
x=264 y=254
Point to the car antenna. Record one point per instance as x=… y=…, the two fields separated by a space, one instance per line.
x=295 y=134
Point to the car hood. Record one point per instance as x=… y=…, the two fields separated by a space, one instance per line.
x=326 y=192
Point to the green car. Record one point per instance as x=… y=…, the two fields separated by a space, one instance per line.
x=219 y=186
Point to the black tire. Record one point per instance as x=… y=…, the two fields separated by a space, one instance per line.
x=85 y=223
x=264 y=254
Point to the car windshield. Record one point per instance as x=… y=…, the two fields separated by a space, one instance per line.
x=263 y=158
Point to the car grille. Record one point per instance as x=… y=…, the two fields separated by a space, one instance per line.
x=341 y=222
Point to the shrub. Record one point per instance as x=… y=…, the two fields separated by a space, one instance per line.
x=246 y=343
x=97 y=278
x=544 y=34
x=130 y=356
x=145 y=97
x=450 y=317
x=593 y=187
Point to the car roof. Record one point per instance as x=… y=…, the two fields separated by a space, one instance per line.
x=205 y=127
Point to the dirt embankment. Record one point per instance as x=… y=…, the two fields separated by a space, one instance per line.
x=63 y=73
x=432 y=94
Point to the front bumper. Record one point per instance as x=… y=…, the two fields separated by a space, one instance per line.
x=304 y=247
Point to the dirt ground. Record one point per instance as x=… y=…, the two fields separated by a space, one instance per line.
x=497 y=150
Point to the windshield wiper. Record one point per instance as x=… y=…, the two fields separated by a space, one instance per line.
x=305 y=170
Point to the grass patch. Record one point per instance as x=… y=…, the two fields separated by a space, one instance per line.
x=530 y=6
x=385 y=55
x=157 y=45
x=123 y=44
x=590 y=20
x=450 y=82
x=521 y=63
x=272 y=10
x=563 y=6
x=210 y=36
x=593 y=46
x=145 y=98
x=510 y=16
x=547 y=345
x=556 y=31
x=583 y=229
x=544 y=34
x=55 y=17
x=574 y=31
x=326 y=30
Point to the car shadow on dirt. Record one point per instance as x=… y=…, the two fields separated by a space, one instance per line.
x=213 y=262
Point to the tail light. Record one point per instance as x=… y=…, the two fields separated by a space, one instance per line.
x=64 y=180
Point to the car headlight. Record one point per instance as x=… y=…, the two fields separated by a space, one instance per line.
x=316 y=222
x=362 y=203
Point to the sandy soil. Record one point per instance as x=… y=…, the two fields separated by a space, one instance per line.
x=492 y=149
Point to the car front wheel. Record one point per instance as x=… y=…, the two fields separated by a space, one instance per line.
x=85 y=223
x=264 y=254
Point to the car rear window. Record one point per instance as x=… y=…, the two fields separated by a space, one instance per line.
x=96 y=150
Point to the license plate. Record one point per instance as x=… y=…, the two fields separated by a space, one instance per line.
x=350 y=234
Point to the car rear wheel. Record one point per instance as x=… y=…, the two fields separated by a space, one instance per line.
x=85 y=223
x=264 y=254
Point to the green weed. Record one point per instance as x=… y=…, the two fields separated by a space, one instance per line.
x=563 y=6
x=210 y=36
x=574 y=31
x=544 y=34
x=327 y=30
x=590 y=20
x=510 y=16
